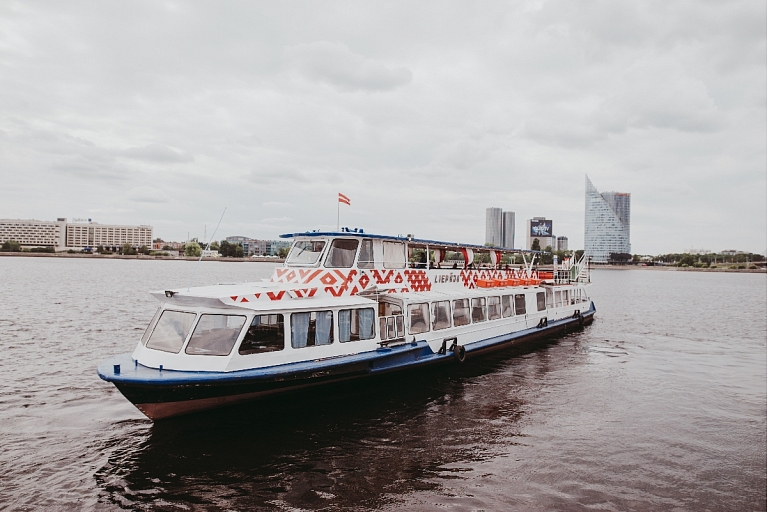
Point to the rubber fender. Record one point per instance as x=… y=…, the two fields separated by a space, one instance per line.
x=460 y=353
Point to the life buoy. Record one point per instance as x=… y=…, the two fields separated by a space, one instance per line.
x=460 y=353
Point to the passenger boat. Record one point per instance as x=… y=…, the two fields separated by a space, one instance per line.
x=344 y=305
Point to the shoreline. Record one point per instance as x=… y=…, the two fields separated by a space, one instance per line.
x=134 y=257
x=679 y=269
x=278 y=260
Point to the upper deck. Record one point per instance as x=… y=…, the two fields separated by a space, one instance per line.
x=346 y=263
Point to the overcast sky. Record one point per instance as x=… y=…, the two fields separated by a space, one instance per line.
x=423 y=113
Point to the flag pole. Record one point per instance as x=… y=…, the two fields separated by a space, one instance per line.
x=337 y=214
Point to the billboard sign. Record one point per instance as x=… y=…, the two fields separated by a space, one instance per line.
x=541 y=228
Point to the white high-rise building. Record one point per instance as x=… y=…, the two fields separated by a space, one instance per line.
x=606 y=223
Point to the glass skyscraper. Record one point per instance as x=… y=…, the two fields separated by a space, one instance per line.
x=606 y=223
x=508 y=230
x=499 y=228
x=493 y=231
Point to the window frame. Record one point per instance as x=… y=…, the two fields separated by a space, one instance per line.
x=468 y=312
x=473 y=308
x=488 y=307
x=331 y=337
x=388 y=264
x=186 y=336
x=511 y=303
x=541 y=301
x=320 y=256
x=435 y=316
x=517 y=304
x=331 y=246
x=151 y=326
x=197 y=323
x=250 y=324
x=368 y=263
x=427 y=320
x=350 y=310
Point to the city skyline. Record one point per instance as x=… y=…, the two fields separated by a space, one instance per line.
x=165 y=113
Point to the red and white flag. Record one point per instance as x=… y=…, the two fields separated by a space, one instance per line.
x=343 y=199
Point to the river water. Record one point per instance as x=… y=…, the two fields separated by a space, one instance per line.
x=659 y=405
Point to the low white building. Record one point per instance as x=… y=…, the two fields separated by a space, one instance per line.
x=93 y=235
x=34 y=233
x=63 y=235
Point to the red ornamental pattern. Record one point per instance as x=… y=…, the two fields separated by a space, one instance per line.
x=339 y=282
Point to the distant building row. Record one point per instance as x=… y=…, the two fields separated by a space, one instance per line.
x=540 y=228
x=252 y=246
x=63 y=235
x=500 y=231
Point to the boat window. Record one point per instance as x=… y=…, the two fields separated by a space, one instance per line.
x=419 y=315
x=394 y=255
x=387 y=309
x=478 y=309
x=520 y=304
x=342 y=253
x=389 y=327
x=441 y=312
x=365 y=260
x=541 y=304
x=399 y=326
x=311 y=329
x=494 y=308
x=151 y=324
x=305 y=252
x=215 y=335
x=557 y=298
x=460 y=312
x=171 y=331
x=507 y=309
x=356 y=324
x=549 y=297
x=265 y=334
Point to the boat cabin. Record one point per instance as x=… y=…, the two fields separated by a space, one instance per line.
x=340 y=294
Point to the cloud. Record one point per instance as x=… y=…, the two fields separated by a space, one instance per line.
x=111 y=210
x=147 y=194
x=157 y=153
x=423 y=115
x=337 y=65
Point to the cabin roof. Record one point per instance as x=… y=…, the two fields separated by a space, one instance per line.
x=413 y=242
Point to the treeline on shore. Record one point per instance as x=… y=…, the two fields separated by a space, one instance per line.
x=736 y=260
x=190 y=249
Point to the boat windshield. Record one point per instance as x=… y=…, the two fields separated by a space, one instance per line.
x=215 y=335
x=305 y=252
x=342 y=253
x=171 y=331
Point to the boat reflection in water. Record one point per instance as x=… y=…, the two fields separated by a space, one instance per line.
x=345 y=306
x=339 y=446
